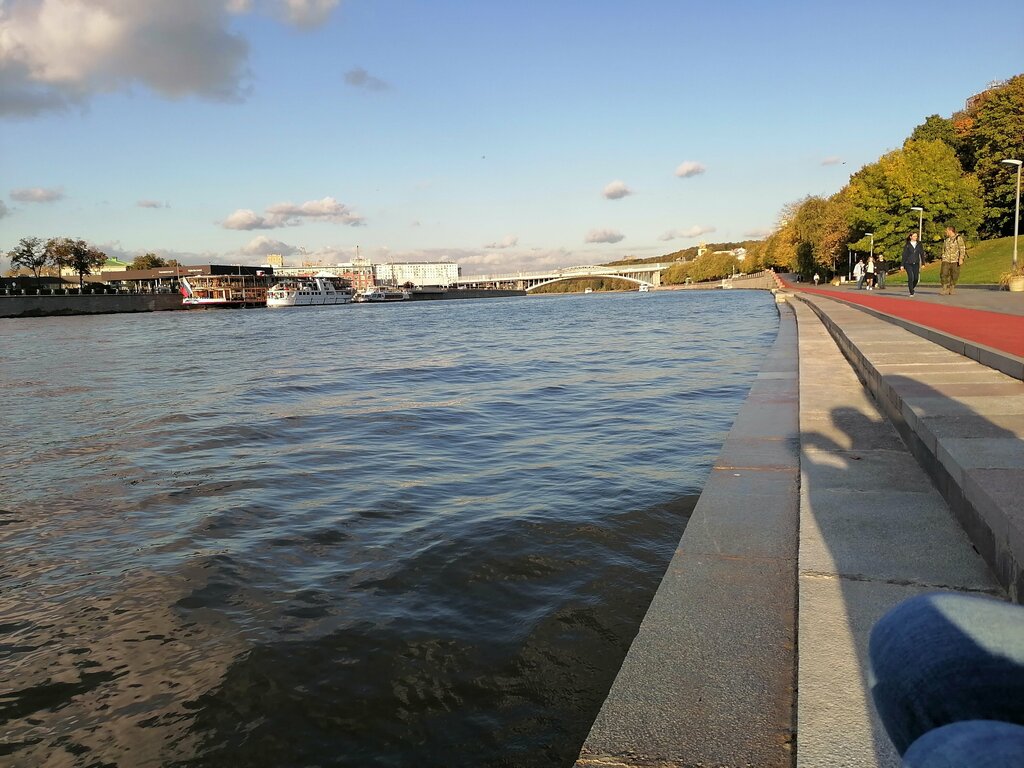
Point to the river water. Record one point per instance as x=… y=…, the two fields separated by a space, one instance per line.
x=420 y=534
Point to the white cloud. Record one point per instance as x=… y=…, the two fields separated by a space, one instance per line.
x=4 y=210
x=37 y=195
x=690 y=168
x=695 y=231
x=360 y=78
x=508 y=241
x=245 y=218
x=55 y=54
x=326 y=209
x=308 y=13
x=757 y=233
x=616 y=190
x=603 y=236
x=264 y=246
x=832 y=160
x=291 y=215
x=152 y=204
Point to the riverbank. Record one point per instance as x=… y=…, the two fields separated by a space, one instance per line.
x=753 y=651
x=88 y=304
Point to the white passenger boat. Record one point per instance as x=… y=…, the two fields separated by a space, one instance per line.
x=308 y=292
x=382 y=293
x=223 y=290
x=644 y=289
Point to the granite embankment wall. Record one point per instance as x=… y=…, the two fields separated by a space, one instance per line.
x=764 y=280
x=426 y=295
x=42 y=306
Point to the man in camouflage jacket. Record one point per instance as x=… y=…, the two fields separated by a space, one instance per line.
x=954 y=251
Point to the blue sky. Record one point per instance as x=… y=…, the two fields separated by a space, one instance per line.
x=505 y=136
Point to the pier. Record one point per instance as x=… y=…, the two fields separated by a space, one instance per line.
x=877 y=456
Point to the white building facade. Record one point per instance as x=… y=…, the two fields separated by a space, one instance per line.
x=421 y=274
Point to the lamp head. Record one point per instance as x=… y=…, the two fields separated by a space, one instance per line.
x=917 y=208
x=1012 y=162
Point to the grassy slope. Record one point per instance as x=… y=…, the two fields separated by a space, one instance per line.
x=986 y=261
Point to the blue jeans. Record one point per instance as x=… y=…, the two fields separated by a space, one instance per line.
x=913 y=272
x=947 y=678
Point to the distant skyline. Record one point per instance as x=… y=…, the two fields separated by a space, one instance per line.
x=503 y=136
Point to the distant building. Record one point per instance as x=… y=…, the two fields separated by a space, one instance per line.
x=421 y=274
x=166 y=279
x=972 y=100
x=113 y=264
x=359 y=275
x=275 y=260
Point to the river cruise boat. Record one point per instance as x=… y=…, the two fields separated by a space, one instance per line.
x=224 y=290
x=382 y=293
x=644 y=289
x=309 y=292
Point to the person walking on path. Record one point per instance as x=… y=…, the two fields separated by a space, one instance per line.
x=880 y=271
x=817 y=278
x=911 y=260
x=954 y=251
x=869 y=270
x=858 y=272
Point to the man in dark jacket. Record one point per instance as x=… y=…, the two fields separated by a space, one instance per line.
x=911 y=260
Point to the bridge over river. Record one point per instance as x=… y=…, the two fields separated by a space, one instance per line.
x=641 y=274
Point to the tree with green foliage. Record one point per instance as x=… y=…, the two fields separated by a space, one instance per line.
x=29 y=254
x=936 y=128
x=924 y=173
x=148 y=261
x=997 y=133
x=77 y=255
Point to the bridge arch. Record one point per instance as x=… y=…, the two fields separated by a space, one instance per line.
x=566 y=278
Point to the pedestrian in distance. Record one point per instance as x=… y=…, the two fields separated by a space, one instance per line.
x=817 y=278
x=880 y=271
x=869 y=270
x=954 y=252
x=911 y=261
x=858 y=273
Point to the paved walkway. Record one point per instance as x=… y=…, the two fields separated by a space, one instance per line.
x=873 y=531
x=910 y=459
x=989 y=317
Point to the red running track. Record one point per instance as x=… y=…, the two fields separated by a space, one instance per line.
x=992 y=329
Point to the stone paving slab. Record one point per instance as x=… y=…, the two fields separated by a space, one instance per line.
x=985 y=499
x=873 y=531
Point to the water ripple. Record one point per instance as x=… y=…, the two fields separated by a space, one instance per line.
x=376 y=536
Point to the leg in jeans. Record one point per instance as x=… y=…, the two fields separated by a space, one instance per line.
x=913 y=273
x=944 y=658
x=974 y=743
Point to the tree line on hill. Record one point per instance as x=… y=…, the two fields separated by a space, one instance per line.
x=57 y=254
x=950 y=167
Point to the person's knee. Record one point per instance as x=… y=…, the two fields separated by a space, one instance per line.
x=974 y=743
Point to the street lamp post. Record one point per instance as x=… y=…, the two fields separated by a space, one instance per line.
x=920 y=223
x=1016 y=216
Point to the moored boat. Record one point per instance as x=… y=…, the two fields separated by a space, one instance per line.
x=382 y=293
x=308 y=292
x=223 y=290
